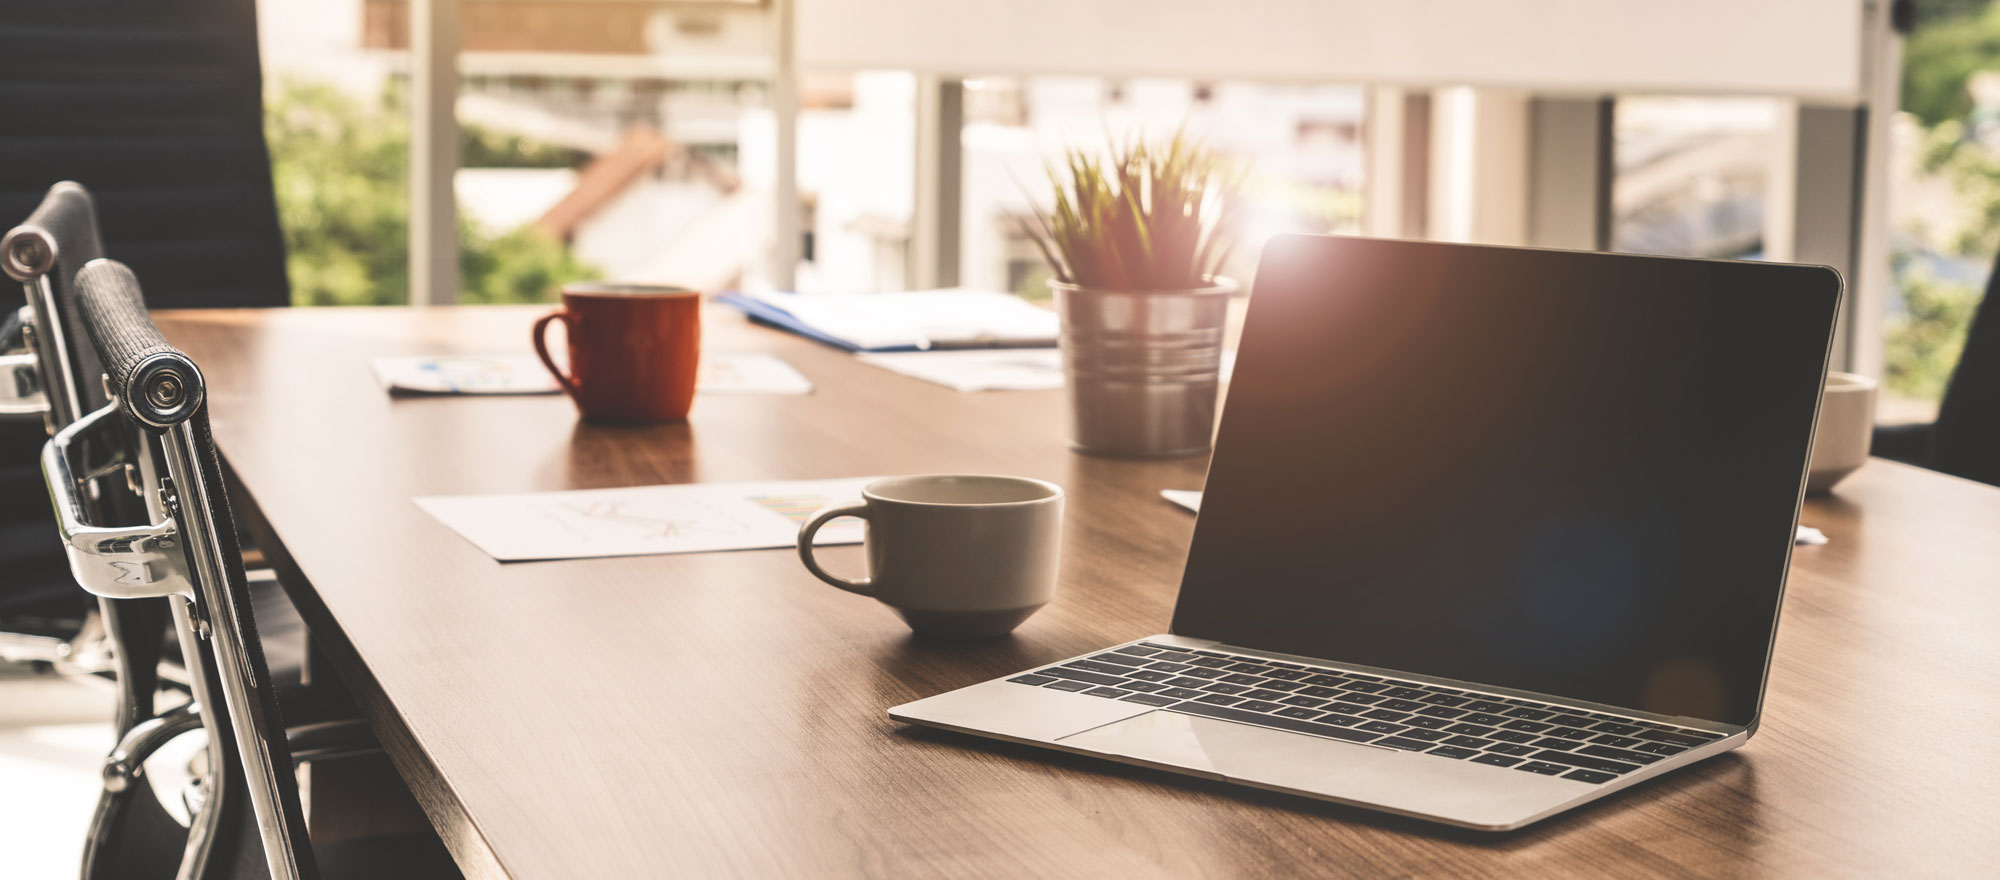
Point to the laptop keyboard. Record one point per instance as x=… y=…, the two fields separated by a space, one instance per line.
x=1453 y=724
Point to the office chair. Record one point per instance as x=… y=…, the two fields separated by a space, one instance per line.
x=184 y=549
x=1965 y=439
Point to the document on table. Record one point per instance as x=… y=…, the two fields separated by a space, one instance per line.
x=647 y=520
x=1191 y=500
x=721 y=373
x=1010 y=369
x=905 y=320
x=1006 y=369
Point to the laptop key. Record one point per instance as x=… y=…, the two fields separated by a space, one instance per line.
x=1248 y=667
x=1570 y=721
x=1361 y=675
x=1425 y=735
x=1452 y=752
x=1175 y=656
x=1240 y=678
x=1626 y=755
x=1308 y=702
x=1032 y=678
x=1167 y=666
x=1273 y=684
x=1340 y=719
x=1660 y=748
x=1405 y=693
x=1317 y=691
x=1120 y=659
x=1203 y=673
x=1211 y=654
x=1514 y=736
x=1675 y=738
x=1366 y=699
x=1383 y=727
x=1323 y=680
x=1220 y=688
x=1426 y=722
x=1182 y=693
x=1486 y=706
x=1441 y=711
x=1622 y=742
x=1496 y=760
x=1279 y=722
x=1344 y=706
x=1385 y=715
x=1266 y=694
x=1144 y=687
x=1401 y=705
x=1616 y=728
x=1561 y=745
x=1483 y=718
x=1211 y=662
x=1067 y=685
x=1585 y=761
x=1151 y=700
x=1095 y=666
x=1397 y=742
x=1470 y=729
x=1445 y=700
x=1530 y=714
x=1185 y=682
x=1287 y=674
x=1590 y=776
x=1469 y=742
x=1570 y=733
x=1137 y=650
x=1298 y=712
x=1220 y=699
x=1259 y=706
x=1543 y=769
x=1529 y=726
x=1365 y=685
x=1080 y=675
x=1510 y=749
x=1108 y=693
x=1148 y=675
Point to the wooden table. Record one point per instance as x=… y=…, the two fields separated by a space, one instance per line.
x=723 y=714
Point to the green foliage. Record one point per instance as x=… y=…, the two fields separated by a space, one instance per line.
x=1925 y=337
x=1943 y=53
x=340 y=167
x=480 y=148
x=1150 y=217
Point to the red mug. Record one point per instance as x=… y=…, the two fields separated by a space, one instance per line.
x=634 y=350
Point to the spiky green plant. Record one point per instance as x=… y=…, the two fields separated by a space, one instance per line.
x=1147 y=217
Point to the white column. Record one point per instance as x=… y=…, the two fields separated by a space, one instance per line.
x=1570 y=169
x=1396 y=148
x=940 y=184
x=434 y=35
x=785 y=242
x=1817 y=201
x=1479 y=162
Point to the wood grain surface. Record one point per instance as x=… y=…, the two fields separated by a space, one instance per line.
x=723 y=714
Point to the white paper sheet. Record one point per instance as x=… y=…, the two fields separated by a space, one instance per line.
x=721 y=373
x=1003 y=369
x=647 y=520
x=922 y=318
x=1191 y=500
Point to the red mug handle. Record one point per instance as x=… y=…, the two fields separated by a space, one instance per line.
x=540 y=334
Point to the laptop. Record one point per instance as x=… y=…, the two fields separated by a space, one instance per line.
x=1488 y=533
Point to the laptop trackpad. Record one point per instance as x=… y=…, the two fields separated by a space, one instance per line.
x=1227 y=749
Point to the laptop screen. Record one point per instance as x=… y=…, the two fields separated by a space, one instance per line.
x=1575 y=474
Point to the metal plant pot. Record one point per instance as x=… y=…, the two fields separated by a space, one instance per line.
x=1143 y=367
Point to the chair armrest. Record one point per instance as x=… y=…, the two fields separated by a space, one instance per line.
x=1909 y=444
x=128 y=759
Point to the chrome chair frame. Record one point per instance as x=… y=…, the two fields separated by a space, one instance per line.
x=157 y=424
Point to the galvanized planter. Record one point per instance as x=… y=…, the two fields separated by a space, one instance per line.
x=1143 y=367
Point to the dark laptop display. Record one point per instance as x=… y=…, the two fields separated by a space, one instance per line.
x=1571 y=475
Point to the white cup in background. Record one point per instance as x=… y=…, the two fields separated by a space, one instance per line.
x=1846 y=428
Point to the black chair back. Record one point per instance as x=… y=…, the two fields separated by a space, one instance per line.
x=157 y=106
x=1966 y=439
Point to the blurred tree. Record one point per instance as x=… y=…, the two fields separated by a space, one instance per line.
x=340 y=167
x=1927 y=334
x=1953 y=40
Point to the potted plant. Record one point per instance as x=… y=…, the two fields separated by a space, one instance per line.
x=1135 y=240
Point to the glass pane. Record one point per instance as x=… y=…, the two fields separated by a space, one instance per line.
x=1692 y=174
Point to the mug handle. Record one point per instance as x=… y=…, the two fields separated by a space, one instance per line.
x=864 y=586
x=540 y=335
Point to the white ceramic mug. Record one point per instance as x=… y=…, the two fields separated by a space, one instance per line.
x=1846 y=430
x=957 y=555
